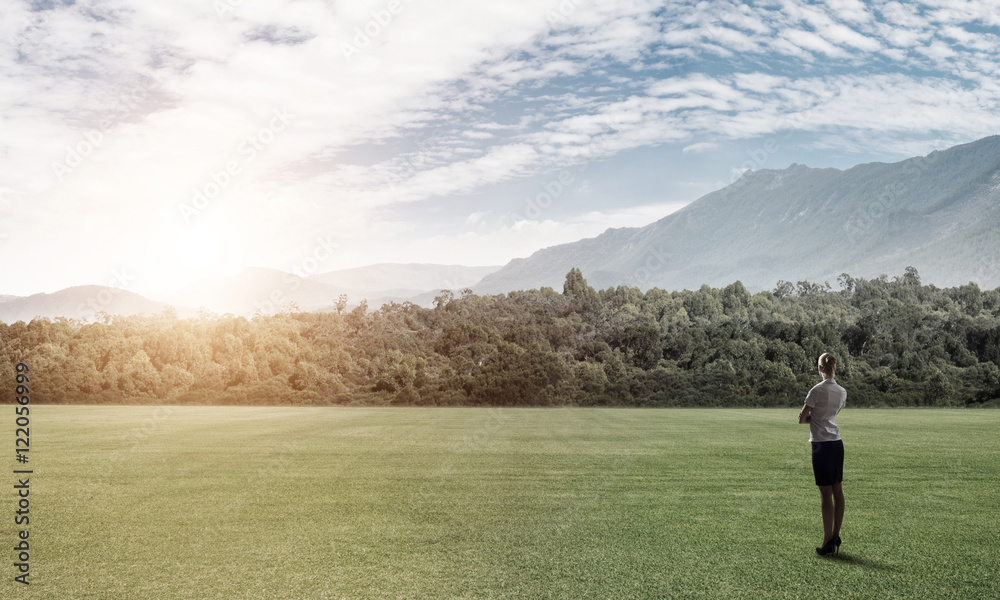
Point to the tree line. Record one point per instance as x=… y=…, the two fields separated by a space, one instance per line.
x=899 y=343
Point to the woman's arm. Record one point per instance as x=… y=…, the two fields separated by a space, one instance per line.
x=805 y=415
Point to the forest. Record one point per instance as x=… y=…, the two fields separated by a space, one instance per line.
x=899 y=343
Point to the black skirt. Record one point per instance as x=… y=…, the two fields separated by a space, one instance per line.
x=828 y=462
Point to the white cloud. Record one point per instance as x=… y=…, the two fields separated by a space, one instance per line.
x=632 y=216
x=853 y=11
x=845 y=36
x=475 y=218
x=815 y=43
x=522 y=237
x=152 y=101
x=700 y=148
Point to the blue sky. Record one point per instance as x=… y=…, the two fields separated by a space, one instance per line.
x=174 y=141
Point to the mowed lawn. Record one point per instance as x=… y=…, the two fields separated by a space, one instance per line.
x=244 y=502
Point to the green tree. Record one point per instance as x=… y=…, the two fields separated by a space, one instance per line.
x=583 y=298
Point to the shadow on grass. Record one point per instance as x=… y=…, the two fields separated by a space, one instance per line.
x=858 y=561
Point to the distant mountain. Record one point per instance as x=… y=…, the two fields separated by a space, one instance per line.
x=271 y=290
x=253 y=289
x=939 y=213
x=403 y=279
x=82 y=302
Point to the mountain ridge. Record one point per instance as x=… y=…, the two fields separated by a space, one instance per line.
x=81 y=302
x=939 y=213
x=798 y=223
x=254 y=289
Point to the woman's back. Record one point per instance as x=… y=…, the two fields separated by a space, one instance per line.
x=826 y=399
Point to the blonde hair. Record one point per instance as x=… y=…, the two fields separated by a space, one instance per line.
x=827 y=363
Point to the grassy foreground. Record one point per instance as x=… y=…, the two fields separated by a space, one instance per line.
x=233 y=502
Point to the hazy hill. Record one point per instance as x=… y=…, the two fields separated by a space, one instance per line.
x=81 y=302
x=404 y=279
x=939 y=213
x=253 y=289
x=271 y=290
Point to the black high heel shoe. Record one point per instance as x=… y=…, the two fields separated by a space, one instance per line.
x=836 y=542
x=828 y=548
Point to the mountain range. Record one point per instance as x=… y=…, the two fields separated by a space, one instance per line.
x=939 y=213
x=252 y=290
x=82 y=302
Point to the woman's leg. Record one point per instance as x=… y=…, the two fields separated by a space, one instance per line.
x=827 y=504
x=838 y=499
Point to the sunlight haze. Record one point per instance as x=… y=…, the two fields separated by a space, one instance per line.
x=184 y=140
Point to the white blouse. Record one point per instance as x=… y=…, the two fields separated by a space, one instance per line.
x=826 y=399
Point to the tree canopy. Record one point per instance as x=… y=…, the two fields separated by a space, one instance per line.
x=899 y=343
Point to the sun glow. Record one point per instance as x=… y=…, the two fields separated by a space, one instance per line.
x=198 y=248
x=211 y=248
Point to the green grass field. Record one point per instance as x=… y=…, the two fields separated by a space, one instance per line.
x=233 y=502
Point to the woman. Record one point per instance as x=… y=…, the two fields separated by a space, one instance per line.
x=823 y=402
